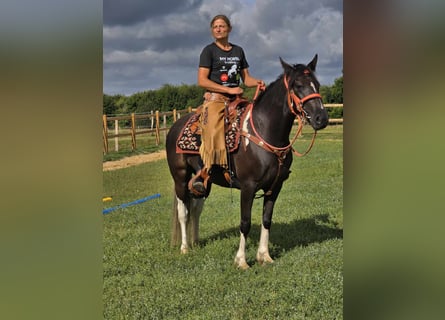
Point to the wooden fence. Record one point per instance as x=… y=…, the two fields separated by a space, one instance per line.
x=156 y=126
x=158 y=123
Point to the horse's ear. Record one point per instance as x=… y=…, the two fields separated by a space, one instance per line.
x=313 y=63
x=286 y=66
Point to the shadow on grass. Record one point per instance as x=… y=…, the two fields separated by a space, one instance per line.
x=303 y=232
x=286 y=236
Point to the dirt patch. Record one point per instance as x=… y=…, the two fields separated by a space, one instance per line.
x=133 y=161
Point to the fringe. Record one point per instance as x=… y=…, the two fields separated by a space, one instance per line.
x=210 y=157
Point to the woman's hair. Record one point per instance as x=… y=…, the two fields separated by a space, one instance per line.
x=222 y=17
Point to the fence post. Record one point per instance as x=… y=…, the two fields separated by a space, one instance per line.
x=116 y=132
x=133 y=132
x=105 y=133
x=164 y=119
x=157 y=128
x=174 y=115
x=190 y=109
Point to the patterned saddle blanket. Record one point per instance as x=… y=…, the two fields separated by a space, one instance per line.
x=189 y=140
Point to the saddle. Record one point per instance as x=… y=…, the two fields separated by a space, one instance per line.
x=189 y=139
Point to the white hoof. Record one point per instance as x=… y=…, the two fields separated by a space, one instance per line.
x=264 y=258
x=241 y=264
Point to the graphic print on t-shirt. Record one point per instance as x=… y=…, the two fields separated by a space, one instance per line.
x=224 y=77
x=233 y=70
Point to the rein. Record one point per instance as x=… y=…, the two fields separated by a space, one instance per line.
x=291 y=99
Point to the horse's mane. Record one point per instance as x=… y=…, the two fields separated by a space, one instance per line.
x=270 y=87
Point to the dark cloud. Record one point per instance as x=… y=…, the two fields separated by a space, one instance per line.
x=130 y=12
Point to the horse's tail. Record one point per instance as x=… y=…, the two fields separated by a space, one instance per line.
x=196 y=205
x=175 y=227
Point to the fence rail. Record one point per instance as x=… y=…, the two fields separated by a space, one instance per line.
x=155 y=127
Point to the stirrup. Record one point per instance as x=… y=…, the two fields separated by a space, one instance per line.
x=231 y=179
x=228 y=176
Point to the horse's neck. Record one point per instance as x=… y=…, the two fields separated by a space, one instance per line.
x=272 y=117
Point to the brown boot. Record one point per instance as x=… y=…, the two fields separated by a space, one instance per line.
x=198 y=184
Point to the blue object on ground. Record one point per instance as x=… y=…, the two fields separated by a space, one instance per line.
x=108 y=210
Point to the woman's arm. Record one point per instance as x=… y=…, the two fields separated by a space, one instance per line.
x=250 y=81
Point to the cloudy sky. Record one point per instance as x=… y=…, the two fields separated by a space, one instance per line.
x=147 y=44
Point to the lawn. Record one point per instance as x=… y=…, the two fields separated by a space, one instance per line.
x=145 y=278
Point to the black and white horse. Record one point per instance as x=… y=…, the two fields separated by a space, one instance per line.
x=261 y=162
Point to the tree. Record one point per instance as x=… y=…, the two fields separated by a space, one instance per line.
x=108 y=104
x=113 y=104
x=170 y=97
x=337 y=90
x=334 y=93
x=325 y=92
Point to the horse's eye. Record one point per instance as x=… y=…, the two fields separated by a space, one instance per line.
x=299 y=85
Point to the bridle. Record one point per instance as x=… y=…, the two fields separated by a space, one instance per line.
x=295 y=105
x=293 y=98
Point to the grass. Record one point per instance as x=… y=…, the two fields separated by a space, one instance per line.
x=145 y=278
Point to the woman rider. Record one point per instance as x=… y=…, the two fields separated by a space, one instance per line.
x=221 y=66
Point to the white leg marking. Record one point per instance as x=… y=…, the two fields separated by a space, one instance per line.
x=182 y=217
x=262 y=255
x=240 y=258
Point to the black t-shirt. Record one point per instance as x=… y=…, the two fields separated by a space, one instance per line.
x=225 y=66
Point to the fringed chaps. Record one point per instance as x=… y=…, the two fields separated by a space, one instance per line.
x=213 y=144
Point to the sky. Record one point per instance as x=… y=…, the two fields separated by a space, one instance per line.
x=147 y=44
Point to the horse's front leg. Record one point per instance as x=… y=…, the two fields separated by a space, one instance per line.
x=263 y=256
x=246 y=214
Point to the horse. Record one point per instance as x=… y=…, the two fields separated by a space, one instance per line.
x=262 y=160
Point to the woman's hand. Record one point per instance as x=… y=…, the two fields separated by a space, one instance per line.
x=235 y=91
x=262 y=85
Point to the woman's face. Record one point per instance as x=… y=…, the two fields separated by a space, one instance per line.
x=220 y=29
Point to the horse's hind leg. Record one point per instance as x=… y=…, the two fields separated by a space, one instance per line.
x=188 y=221
x=181 y=175
x=186 y=212
x=182 y=213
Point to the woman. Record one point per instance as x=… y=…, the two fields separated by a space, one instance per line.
x=221 y=66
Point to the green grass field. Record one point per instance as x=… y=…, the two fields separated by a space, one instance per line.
x=145 y=278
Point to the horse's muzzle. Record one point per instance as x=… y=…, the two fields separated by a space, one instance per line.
x=320 y=120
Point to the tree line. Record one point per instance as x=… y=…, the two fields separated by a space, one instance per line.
x=170 y=97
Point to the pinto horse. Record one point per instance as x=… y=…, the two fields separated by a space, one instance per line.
x=261 y=162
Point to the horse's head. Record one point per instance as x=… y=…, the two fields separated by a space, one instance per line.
x=303 y=93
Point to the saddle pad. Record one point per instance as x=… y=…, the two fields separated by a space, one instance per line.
x=189 y=140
